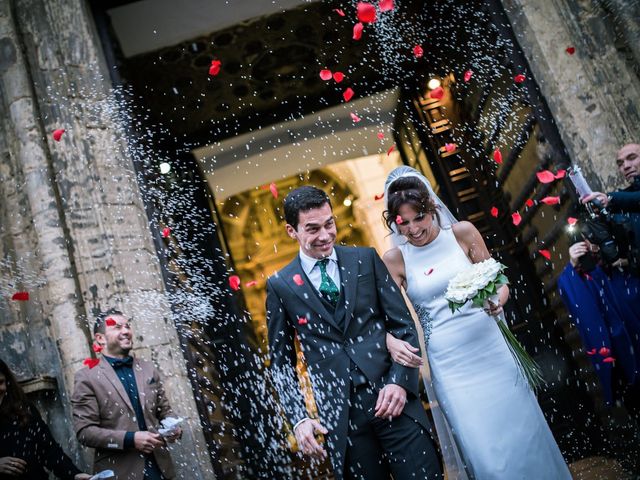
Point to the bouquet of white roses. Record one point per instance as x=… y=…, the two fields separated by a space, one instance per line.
x=480 y=283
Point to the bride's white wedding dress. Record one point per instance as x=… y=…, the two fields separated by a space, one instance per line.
x=490 y=414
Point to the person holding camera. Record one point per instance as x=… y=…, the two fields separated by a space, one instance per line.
x=624 y=204
x=600 y=285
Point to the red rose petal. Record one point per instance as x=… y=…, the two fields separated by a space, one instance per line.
x=516 y=218
x=429 y=272
x=519 y=78
x=604 y=351
x=250 y=284
x=437 y=93
x=545 y=176
x=497 y=156
x=20 y=296
x=166 y=231
x=325 y=74
x=560 y=174
x=297 y=279
x=450 y=147
x=339 y=11
x=302 y=320
x=591 y=352
x=214 y=69
x=399 y=220
x=609 y=360
x=354 y=117
x=338 y=77
x=357 y=31
x=110 y=322
x=91 y=362
x=572 y=221
x=494 y=212
x=467 y=75
x=545 y=253
x=347 y=94
x=366 y=12
x=97 y=348
x=57 y=134
x=550 y=200
x=570 y=50
x=528 y=202
x=380 y=135
x=273 y=189
x=234 y=282
x=386 y=5
x=418 y=51
x=379 y=197
x=391 y=148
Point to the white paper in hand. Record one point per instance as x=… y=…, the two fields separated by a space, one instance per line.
x=169 y=426
x=103 y=474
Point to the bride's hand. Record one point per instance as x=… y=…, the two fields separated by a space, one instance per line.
x=494 y=308
x=402 y=352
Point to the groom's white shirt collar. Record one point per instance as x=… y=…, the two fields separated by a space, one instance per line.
x=308 y=263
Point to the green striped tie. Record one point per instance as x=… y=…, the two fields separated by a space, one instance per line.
x=328 y=288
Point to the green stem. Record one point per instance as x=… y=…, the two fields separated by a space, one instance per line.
x=527 y=365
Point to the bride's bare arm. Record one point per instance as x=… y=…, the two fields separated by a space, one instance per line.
x=401 y=351
x=473 y=245
x=395 y=264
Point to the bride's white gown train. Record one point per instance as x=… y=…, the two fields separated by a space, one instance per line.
x=494 y=418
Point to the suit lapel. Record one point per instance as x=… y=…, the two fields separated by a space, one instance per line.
x=305 y=292
x=110 y=374
x=139 y=375
x=349 y=268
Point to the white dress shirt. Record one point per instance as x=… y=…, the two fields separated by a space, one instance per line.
x=313 y=271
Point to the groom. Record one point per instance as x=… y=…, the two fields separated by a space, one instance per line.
x=341 y=302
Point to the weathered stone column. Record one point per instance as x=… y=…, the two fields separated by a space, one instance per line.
x=34 y=226
x=594 y=94
x=90 y=228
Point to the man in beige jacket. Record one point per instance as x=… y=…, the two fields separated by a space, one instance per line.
x=118 y=405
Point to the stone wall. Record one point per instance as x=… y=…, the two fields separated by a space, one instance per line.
x=594 y=94
x=75 y=233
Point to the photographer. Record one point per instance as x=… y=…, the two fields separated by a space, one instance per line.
x=625 y=204
x=600 y=286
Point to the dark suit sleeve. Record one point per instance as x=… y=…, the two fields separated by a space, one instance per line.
x=398 y=322
x=625 y=201
x=283 y=357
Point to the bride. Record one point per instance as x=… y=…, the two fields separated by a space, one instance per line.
x=488 y=420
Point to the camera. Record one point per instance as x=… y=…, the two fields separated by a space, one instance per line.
x=599 y=228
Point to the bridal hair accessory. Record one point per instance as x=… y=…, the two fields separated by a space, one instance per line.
x=479 y=284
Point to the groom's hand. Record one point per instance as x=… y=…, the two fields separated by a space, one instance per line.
x=391 y=400
x=305 y=436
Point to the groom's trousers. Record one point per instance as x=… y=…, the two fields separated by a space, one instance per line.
x=378 y=447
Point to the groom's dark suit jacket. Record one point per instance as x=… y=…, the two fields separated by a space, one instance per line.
x=342 y=345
